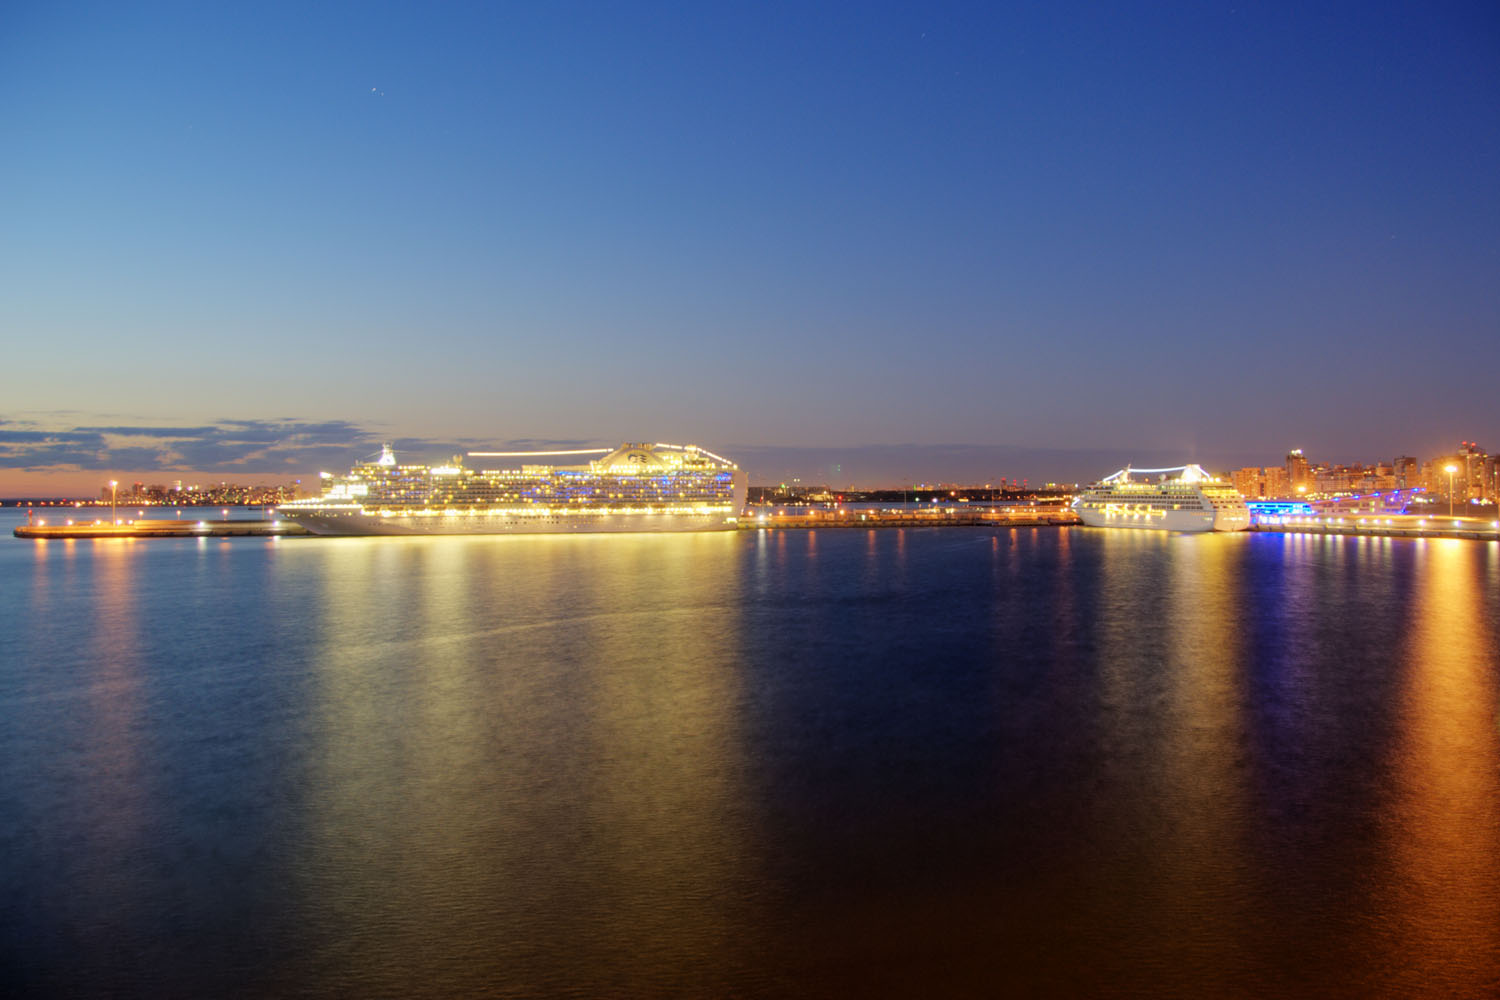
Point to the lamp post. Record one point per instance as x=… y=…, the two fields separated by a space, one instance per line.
x=113 y=485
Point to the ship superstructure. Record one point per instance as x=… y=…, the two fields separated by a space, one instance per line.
x=635 y=487
x=1183 y=498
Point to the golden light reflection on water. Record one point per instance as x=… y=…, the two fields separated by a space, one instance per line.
x=1267 y=762
x=114 y=661
x=519 y=720
x=1202 y=783
x=1170 y=677
x=1443 y=834
x=1064 y=597
x=666 y=723
x=117 y=792
x=1130 y=615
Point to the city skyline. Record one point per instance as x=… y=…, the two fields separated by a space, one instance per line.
x=281 y=452
x=947 y=242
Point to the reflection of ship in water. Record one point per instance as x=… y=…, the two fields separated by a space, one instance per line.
x=1191 y=501
x=635 y=487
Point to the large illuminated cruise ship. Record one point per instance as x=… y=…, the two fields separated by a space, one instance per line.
x=635 y=487
x=1191 y=501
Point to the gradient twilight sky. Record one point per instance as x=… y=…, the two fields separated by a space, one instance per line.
x=255 y=238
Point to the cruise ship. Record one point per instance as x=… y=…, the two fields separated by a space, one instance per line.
x=1184 y=498
x=635 y=487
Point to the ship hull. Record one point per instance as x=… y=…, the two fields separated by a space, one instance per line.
x=1170 y=520
x=507 y=523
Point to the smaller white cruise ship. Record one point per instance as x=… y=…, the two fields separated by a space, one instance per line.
x=1183 y=498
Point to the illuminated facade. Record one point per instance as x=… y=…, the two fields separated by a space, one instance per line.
x=1257 y=483
x=1192 y=501
x=1408 y=472
x=635 y=487
x=1298 y=475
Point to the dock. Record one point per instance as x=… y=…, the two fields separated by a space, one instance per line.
x=942 y=518
x=1384 y=525
x=1394 y=526
x=171 y=528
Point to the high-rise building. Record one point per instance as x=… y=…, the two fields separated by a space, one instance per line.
x=1408 y=472
x=1472 y=459
x=1249 y=482
x=1256 y=483
x=1444 y=484
x=1298 y=474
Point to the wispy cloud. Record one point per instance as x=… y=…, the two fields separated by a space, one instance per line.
x=276 y=447
x=224 y=446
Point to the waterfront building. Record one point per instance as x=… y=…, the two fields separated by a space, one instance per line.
x=1249 y=482
x=1254 y=482
x=1298 y=475
x=1473 y=460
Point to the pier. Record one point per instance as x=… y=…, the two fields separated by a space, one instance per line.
x=169 y=528
x=946 y=517
x=1386 y=525
x=1393 y=526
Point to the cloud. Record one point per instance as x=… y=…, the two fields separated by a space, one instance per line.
x=244 y=447
x=278 y=447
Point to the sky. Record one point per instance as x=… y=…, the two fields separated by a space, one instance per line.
x=873 y=241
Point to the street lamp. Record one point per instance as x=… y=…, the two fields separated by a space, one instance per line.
x=1451 y=469
x=113 y=485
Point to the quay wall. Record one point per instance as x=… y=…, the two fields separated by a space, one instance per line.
x=910 y=519
x=1392 y=527
x=159 y=529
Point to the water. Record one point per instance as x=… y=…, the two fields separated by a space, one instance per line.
x=942 y=761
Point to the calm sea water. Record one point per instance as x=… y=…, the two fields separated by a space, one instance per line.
x=929 y=762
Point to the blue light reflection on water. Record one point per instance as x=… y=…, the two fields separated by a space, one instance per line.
x=772 y=762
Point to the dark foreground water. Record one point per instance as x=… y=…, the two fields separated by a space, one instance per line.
x=938 y=762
